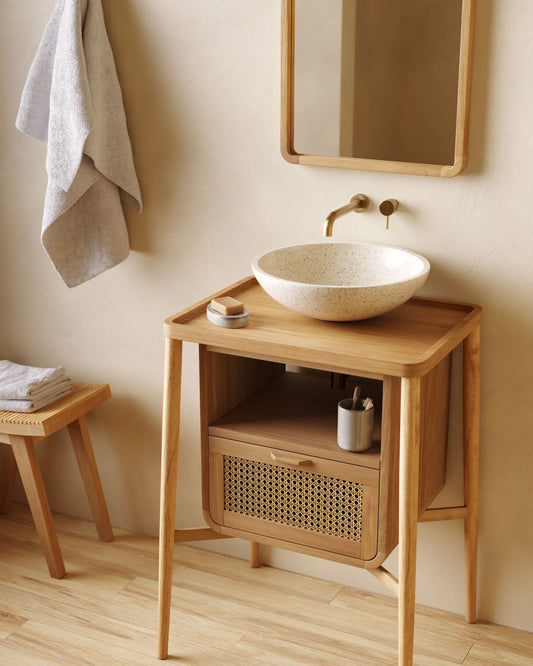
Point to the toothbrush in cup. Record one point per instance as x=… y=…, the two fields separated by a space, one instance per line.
x=355 y=396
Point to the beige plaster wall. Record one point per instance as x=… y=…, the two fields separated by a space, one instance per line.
x=201 y=89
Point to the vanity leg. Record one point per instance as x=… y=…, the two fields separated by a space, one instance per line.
x=169 y=476
x=471 y=403
x=408 y=515
x=254 y=554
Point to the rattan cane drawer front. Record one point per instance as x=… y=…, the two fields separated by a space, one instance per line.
x=292 y=497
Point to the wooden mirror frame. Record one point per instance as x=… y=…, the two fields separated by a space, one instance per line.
x=462 y=118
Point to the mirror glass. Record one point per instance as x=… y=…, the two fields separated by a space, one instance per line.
x=377 y=84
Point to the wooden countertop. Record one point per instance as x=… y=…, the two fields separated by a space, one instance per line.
x=406 y=342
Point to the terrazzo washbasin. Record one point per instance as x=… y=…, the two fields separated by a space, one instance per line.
x=340 y=281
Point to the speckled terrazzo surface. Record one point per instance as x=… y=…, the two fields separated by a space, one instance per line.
x=341 y=281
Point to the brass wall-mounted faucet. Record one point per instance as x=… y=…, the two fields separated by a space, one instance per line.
x=357 y=204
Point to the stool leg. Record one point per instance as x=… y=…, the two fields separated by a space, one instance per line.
x=79 y=435
x=28 y=466
x=8 y=476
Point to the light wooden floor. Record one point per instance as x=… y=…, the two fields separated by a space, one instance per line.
x=104 y=611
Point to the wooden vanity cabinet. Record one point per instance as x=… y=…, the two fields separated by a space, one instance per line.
x=272 y=469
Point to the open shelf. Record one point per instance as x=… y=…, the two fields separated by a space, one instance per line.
x=297 y=412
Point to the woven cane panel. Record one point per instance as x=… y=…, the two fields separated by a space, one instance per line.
x=313 y=502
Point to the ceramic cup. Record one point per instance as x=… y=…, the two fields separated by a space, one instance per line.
x=354 y=426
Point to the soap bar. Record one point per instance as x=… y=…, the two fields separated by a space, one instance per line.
x=238 y=320
x=227 y=305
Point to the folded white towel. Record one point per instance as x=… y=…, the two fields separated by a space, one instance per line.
x=72 y=102
x=24 y=382
x=51 y=388
x=32 y=405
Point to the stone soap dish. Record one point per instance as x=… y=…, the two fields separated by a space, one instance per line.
x=228 y=321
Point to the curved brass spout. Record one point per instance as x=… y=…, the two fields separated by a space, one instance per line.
x=357 y=204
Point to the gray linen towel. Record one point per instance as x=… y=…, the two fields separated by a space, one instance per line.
x=24 y=382
x=31 y=405
x=72 y=102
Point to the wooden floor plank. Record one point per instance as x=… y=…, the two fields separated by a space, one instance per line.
x=286 y=653
x=16 y=562
x=320 y=627
x=41 y=645
x=433 y=620
x=223 y=612
x=484 y=655
x=9 y=622
x=232 y=568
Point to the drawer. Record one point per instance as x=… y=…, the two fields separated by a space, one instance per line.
x=312 y=501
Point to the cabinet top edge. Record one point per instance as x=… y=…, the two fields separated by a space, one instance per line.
x=406 y=342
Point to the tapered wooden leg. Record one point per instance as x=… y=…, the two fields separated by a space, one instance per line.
x=254 y=554
x=81 y=442
x=408 y=514
x=471 y=405
x=8 y=476
x=169 y=475
x=28 y=466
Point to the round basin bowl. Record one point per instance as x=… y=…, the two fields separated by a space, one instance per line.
x=341 y=281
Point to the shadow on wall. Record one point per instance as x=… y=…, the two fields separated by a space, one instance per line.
x=133 y=432
x=152 y=115
x=506 y=455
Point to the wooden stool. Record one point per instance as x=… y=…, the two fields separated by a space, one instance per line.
x=18 y=434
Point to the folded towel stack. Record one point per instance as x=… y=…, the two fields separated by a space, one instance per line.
x=27 y=389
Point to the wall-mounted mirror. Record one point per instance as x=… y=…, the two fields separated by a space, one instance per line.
x=379 y=85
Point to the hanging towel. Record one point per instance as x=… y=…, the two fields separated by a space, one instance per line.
x=72 y=102
x=24 y=382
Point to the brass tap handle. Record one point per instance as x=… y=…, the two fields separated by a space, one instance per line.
x=388 y=207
